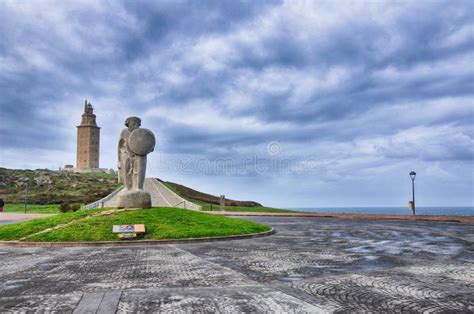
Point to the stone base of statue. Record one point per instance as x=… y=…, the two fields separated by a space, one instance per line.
x=134 y=199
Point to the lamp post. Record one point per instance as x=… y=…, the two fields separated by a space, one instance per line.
x=26 y=194
x=412 y=177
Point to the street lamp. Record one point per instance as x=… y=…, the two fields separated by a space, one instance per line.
x=26 y=193
x=412 y=176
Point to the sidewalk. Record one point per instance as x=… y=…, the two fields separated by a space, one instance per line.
x=19 y=216
x=310 y=265
x=462 y=219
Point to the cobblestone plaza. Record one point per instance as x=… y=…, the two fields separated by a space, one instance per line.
x=309 y=265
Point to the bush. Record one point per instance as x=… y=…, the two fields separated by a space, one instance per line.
x=65 y=207
x=75 y=207
x=68 y=206
x=90 y=198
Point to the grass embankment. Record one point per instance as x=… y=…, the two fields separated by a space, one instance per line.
x=211 y=203
x=32 y=208
x=254 y=209
x=196 y=196
x=160 y=223
x=22 y=229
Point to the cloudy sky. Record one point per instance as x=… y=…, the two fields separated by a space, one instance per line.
x=291 y=103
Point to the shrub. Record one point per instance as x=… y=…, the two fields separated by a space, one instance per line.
x=75 y=207
x=64 y=207
x=89 y=198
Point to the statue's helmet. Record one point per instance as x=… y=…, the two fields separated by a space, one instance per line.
x=133 y=121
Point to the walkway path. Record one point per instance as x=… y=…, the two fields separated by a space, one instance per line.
x=309 y=265
x=7 y=218
x=161 y=196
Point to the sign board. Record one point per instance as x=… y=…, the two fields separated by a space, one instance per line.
x=411 y=205
x=128 y=228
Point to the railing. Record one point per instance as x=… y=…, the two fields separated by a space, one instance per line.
x=187 y=204
x=100 y=203
x=182 y=202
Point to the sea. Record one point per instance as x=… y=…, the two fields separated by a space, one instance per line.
x=436 y=211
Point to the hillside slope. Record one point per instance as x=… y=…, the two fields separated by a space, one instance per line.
x=199 y=197
x=54 y=187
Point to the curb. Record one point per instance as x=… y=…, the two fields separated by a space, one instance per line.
x=135 y=242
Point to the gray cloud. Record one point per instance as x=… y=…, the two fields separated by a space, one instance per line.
x=363 y=88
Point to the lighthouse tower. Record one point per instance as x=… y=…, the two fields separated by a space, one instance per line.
x=88 y=141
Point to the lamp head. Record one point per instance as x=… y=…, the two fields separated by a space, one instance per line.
x=413 y=175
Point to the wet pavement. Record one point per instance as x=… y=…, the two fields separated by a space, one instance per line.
x=309 y=265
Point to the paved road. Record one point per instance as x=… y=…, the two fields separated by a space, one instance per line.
x=309 y=265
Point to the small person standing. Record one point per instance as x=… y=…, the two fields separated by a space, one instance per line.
x=2 y=203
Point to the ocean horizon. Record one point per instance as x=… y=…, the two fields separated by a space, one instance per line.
x=422 y=210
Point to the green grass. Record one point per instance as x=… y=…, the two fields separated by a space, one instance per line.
x=255 y=209
x=196 y=196
x=22 y=229
x=32 y=208
x=160 y=223
x=214 y=207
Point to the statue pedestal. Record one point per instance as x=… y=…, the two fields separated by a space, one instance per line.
x=134 y=199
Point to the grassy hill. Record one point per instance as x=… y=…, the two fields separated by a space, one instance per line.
x=54 y=187
x=200 y=197
x=160 y=223
x=211 y=202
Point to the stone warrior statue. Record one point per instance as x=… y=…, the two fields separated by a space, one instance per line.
x=134 y=144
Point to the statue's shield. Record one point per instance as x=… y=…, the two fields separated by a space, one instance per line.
x=141 y=141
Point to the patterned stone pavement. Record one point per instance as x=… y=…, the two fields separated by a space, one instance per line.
x=309 y=265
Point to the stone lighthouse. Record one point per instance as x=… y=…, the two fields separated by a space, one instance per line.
x=88 y=141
